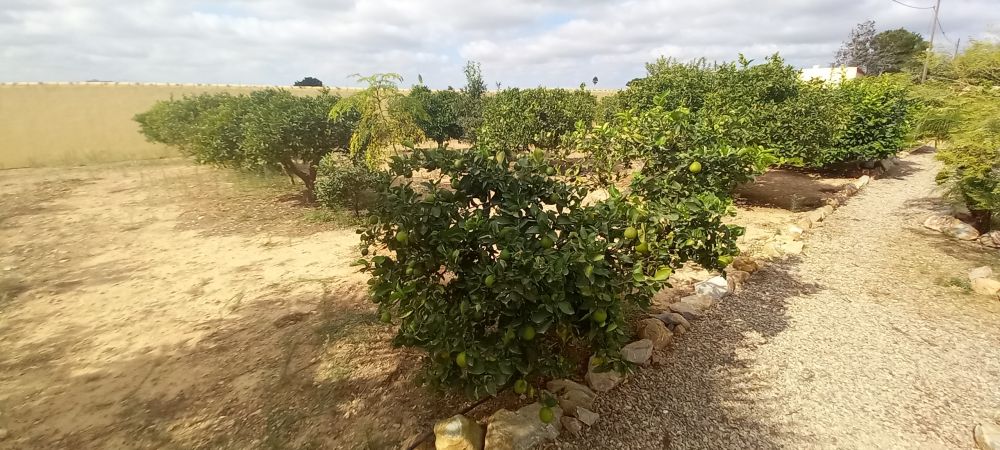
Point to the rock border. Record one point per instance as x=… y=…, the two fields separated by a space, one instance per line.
x=523 y=429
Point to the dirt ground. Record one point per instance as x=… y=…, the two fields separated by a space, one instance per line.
x=166 y=305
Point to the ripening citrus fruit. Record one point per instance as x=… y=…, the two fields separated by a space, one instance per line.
x=695 y=167
x=550 y=171
x=460 y=360
x=520 y=387
x=596 y=361
x=538 y=154
x=663 y=273
x=547 y=242
x=373 y=220
x=546 y=415
x=386 y=317
x=528 y=332
x=402 y=237
x=599 y=316
x=642 y=247
x=725 y=260
x=490 y=279
x=631 y=233
x=457 y=163
x=504 y=254
x=409 y=270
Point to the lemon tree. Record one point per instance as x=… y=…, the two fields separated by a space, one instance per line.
x=497 y=269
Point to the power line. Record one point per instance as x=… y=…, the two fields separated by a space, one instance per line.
x=911 y=6
x=943 y=34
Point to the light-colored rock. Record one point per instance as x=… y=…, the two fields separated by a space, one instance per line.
x=715 y=287
x=887 y=164
x=680 y=330
x=827 y=210
x=588 y=417
x=736 y=278
x=986 y=286
x=672 y=319
x=638 y=352
x=602 y=381
x=793 y=231
x=804 y=223
x=951 y=227
x=689 y=312
x=849 y=189
x=792 y=248
x=576 y=398
x=987 y=436
x=509 y=430
x=862 y=182
x=745 y=264
x=980 y=272
x=656 y=331
x=572 y=425
x=991 y=239
x=702 y=302
x=458 y=433
x=560 y=386
x=531 y=412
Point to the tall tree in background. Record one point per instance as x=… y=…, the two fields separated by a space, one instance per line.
x=471 y=107
x=898 y=50
x=309 y=81
x=859 y=49
x=875 y=53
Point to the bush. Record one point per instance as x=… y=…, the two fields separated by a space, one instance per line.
x=500 y=273
x=522 y=118
x=347 y=183
x=265 y=129
x=470 y=107
x=878 y=123
x=979 y=64
x=441 y=119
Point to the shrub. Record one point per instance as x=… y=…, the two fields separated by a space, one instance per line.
x=470 y=107
x=878 y=123
x=268 y=128
x=979 y=64
x=522 y=118
x=499 y=273
x=346 y=182
x=386 y=119
x=441 y=121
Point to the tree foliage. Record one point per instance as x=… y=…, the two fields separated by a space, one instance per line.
x=888 y=51
x=879 y=111
x=521 y=118
x=387 y=118
x=503 y=270
x=442 y=108
x=346 y=182
x=309 y=81
x=470 y=116
x=267 y=128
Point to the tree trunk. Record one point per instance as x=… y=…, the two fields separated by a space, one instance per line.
x=306 y=173
x=982 y=219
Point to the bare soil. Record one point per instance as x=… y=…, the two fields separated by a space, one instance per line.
x=166 y=305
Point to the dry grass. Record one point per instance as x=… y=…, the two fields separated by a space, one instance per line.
x=47 y=125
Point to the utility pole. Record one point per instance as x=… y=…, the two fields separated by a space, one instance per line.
x=930 y=48
x=956 y=49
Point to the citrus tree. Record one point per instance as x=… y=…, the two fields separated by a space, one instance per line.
x=498 y=269
x=524 y=118
x=441 y=119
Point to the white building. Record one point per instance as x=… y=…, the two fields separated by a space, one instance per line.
x=832 y=75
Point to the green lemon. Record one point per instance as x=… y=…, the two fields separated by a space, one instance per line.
x=402 y=237
x=550 y=171
x=490 y=280
x=663 y=273
x=520 y=387
x=538 y=154
x=725 y=260
x=631 y=233
x=546 y=414
x=599 y=315
x=373 y=220
x=642 y=247
x=461 y=360
x=386 y=317
x=695 y=167
x=547 y=242
x=527 y=332
x=504 y=254
x=409 y=271
x=596 y=361
x=457 y=164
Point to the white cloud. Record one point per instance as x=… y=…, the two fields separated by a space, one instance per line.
x=520 y=42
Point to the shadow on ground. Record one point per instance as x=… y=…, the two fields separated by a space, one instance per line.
x=704 y=395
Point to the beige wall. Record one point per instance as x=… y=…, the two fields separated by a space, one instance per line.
x=85 y=123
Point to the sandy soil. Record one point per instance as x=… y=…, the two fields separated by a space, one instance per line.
x=165 y=305
x=869 y=339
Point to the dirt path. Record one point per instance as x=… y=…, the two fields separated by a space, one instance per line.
x=868 y=340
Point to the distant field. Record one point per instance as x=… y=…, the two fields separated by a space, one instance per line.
x=85 y=123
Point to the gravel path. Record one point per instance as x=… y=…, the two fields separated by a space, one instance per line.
x=864 y=341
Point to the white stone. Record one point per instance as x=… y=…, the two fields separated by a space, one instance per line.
x=602 y=381
x=587 y=416
x=638 y=352
x=980 y=272
x=986 y=286
x=862 y=182
x=702 y=302
x=715 y=287
x=458 y=433
x=794 y=231
x=573 y=399
x=521 y=430
x=987 y=436
x=951 y=227
x=559 y=386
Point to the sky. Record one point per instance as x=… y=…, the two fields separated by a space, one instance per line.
x=527 y=43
